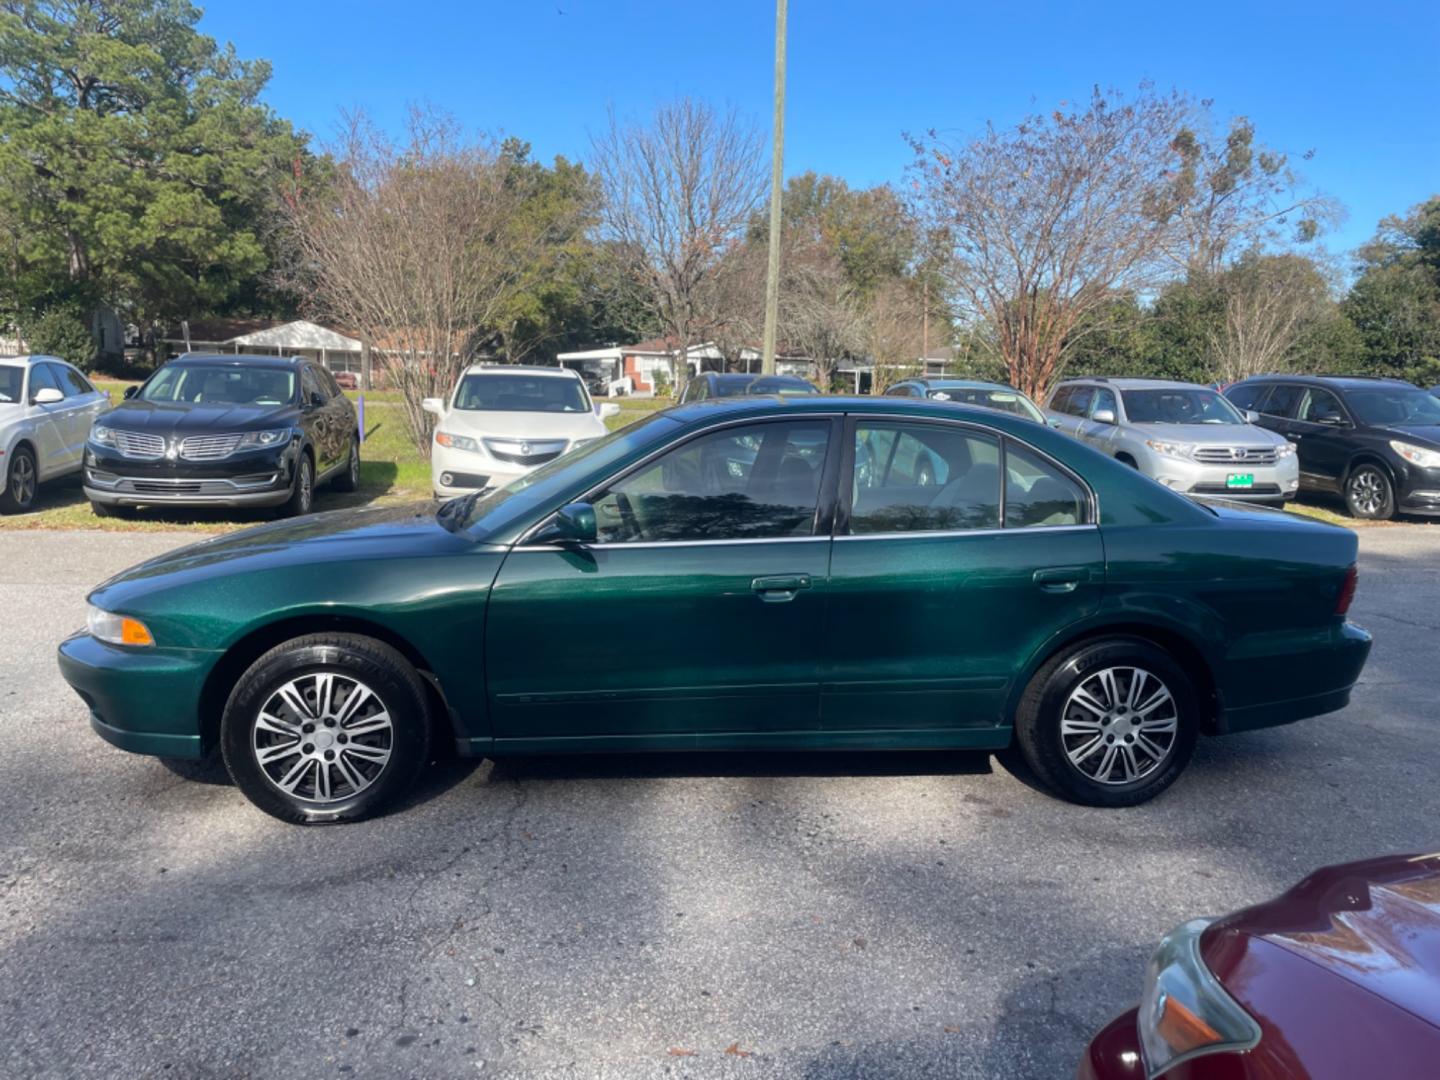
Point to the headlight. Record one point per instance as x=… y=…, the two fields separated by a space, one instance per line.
x=117 y=629
x=1416 y=455
x=581 y=442
x=102 y=436
x=1185 y=1012
x=1170 y=449
x=457 y=442
x=1284 y=450
x=259 y=440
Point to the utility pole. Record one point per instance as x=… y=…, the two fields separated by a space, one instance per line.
x=777 y=176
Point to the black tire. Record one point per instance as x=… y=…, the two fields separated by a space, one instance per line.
x=397 y=692
x=1370 y=493
x=101 y=510
x=302 y=490
x=21 y=482
x=1042 y=710
x=348 y=478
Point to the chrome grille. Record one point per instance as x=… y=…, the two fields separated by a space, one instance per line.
x=526 y=451
x=209 y=447
x=1235 y=455
x=139 y=444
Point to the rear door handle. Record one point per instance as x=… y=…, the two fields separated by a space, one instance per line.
x=780 y=588
x=1060 y=579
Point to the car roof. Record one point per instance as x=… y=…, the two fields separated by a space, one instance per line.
x=1342 y=382
x=520 y=369
x=237 y=360
x=962 y=384
x=778 y=405
x=1136 y=383
x=34 y=358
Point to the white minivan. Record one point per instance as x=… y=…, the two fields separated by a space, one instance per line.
x=46 y=409
x=502 y=420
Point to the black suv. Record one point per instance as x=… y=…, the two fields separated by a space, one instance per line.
x=1375 y=442
x=230 y=431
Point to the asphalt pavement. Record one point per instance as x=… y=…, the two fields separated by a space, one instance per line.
x=792 y=916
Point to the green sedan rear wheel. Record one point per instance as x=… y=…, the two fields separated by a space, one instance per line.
x=1109 y=723
x=326 y=728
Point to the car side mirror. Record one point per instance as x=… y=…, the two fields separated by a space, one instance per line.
x=1251 y=416
x=1104 y=416
x=316 y=399
x=131 y=391
x=572 y=524
x=47 y=396
x=609 y=409
x=434 y=405
x=1332 y=420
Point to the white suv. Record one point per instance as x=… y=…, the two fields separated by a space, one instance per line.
x=46 y=409
x=504 y=420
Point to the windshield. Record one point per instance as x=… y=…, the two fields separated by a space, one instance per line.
x=732 y=385
x=222 y=384
x=1181 y=405
x=483 y=512
x=1011 y=401
x=1394 y=405
x=784 y=386
x=521 y=393
x=12 y=384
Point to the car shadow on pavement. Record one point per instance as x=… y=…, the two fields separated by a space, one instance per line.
x=725 y=763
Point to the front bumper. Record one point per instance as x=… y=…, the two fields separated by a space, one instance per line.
x=146 y=701
x=255 y=478
x=1272 y=483
x=1419 y=491
x=467 y=471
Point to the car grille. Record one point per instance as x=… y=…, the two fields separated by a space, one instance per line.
x=209 y=447
x=173 y=487
x=1235 y=455
x=140 y=444
x=525 y=451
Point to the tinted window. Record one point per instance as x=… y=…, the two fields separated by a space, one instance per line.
x=71 y=382
x=227 y=384
x=309 y=384
x=898 y=391
x=1060 y=400
x=1394 y=405
x=327 y=382
x=760 y=481
x=12 y=383
x=1079 y=402
x=1283 y=400
x=521 y=393
x=1180 y=405
x=922 y=478
x=1037 y=492
x=1005 y=400
x=41 y=379
x=1322 y=407
x=784 y=385
x=733 y=385
x=1245 y=395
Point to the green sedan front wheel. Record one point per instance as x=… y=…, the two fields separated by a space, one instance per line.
x=326 y=728
x=1109 y=723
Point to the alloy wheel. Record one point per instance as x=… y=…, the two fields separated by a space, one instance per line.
x=322 y=737
x=22 y=480
x=307 y=486
x=1119 y=725
x=1367 y=492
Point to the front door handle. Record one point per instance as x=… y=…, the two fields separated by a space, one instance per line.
x=780 y=588
x=1060 y=579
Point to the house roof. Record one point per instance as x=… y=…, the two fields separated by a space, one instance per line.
x=298 y=335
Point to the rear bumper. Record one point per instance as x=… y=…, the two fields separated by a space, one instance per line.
x=1327 y=671
x=142 y=700
x=1114 y=1054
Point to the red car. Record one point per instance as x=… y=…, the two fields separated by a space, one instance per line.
x=347 y=380
x=1337 y=979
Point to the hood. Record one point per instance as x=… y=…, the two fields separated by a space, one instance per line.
x=1375 y=923
x=523 y=425
x=1248 y=435
x=164 y=417
x=409 y=530
x=1427 y=435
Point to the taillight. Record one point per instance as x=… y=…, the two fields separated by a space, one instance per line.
x=1347 y=591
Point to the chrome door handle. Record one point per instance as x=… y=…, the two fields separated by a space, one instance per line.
x=1060 y=579
x=780 y=588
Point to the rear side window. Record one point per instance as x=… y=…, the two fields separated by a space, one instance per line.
x=923 y=478
x=1037 y=493
x=1247 y=395
x=1283 y=401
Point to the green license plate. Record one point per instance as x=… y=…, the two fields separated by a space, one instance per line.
x=1240 y=480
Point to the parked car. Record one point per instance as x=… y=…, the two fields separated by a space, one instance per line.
x=46 y=407
x=1333 y=980
x=346 y=380
x=1374 y=442
x=987 y=395
x=728 y=581
x=503 y=420
x=228 y=431
x=1185 y=436
x=713 y=384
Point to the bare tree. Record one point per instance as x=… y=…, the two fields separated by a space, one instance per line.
x=1047 y=219
x=895 y=332
x=1268 y=301
x=414 y=246
x=678 y=193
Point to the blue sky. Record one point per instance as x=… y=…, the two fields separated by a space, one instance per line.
x=1358 y=83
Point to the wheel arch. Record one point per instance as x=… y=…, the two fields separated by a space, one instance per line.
x=1367 y=457
x=1174 y=641
x=260 y=640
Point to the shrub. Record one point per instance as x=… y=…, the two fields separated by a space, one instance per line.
x=62 y=331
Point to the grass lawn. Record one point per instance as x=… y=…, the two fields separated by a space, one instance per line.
x=392 y=471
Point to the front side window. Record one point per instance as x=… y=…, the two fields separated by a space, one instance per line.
x=310 y=385
x=754 y=482
x=1037 y=493
x=72 y=383
x=1078 y=403
x=226 y=384
x=1179 y=405
x=1322 y=407
x=1104 y=399
x=41 y=379
x=495 y=392
x=1283 y=401
x=913 y=477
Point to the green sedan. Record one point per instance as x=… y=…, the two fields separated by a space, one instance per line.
x=744 y=573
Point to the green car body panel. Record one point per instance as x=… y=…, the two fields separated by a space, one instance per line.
x=880 y=641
